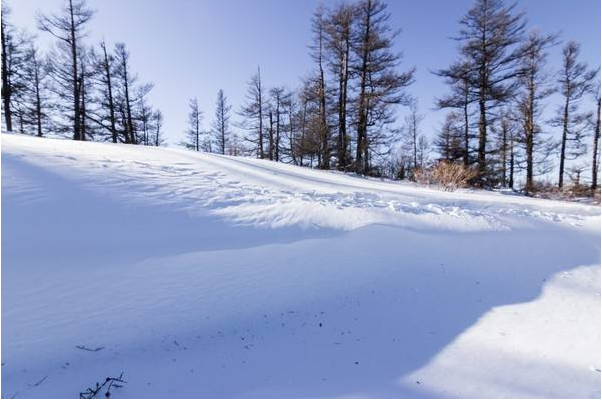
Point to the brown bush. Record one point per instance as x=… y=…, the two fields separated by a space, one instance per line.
x=445 y=174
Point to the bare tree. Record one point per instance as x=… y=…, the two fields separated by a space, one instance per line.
x=490 y=35
x=68 y=27
x=574 y=80
x=412 y=131
x=596 y=144
x=317 y=54
x=193 y=134
x=339 y=29
x=221 y=123
x=252 y=113
x=449 y=139
x=11 y=56
x=534 y=88
x=127 y=81
x=157 y=118
x=106 y=68
x=457 y=77
x=380 y=82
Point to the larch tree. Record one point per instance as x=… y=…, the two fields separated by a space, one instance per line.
x=318 y=55
x=291 y=127
x=252 y=113
x=195 y=118
x=461 y=98
x=126 y=83
x=36 y=74
x=11 y=56
x=574 y=81
x=339 y=29
x=68 y=27
x=596 y=141
x=489 y=38
x=157 y=118
x=380 y=85
x=277 y=95
x=412 y=131
x=534 y=88
x=221 y=123
x=506 y=133
x=449 y=142
x=105 y=65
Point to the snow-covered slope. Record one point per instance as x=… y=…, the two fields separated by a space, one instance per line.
x=200 y=275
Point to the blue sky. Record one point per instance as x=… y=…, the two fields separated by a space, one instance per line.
x=193 y=48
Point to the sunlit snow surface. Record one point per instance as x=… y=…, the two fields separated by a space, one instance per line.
x=208 y=276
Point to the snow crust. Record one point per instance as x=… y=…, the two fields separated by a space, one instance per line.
x=201 y=275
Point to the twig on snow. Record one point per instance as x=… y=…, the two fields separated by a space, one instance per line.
x=38 y=383
x=91 y=393
x=79 y=346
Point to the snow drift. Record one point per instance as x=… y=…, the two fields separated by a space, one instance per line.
x=200 y=275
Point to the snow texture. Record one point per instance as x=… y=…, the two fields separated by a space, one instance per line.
x=200 y=275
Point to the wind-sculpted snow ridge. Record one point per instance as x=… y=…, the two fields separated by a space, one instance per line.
x=268 y=194
x=198 y=275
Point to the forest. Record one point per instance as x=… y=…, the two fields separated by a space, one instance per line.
x=345 y=114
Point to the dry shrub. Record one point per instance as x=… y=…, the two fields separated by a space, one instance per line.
x=570 y=192
x=445 y=174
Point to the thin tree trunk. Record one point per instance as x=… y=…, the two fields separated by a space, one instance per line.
x=511 y=177
x=465 y=154
x=107 y=71
x=128 y=107
x=565 y=128
x=260 y=103
x=6 y=89
x=36 y=78
x=343 y=80
x=595 y=148
x=504 y=149
x=277 y=144
x=324 y=127
x=76 y=94
x=362 y=120
x=271 y=137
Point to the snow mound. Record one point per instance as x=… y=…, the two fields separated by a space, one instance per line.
x=199 y=275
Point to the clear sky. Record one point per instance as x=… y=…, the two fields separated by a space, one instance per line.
x=193 y=48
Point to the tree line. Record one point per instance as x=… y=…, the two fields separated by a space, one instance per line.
x=499 y=85
x=343 y=114
x=84 y=91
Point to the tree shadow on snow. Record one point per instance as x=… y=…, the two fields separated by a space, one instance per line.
x=347 y=316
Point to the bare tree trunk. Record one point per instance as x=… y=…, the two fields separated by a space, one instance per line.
x=481 y=162
x=595 y=148
x=565 y=128
x=466 y=154
x=76 y=99
x=128 y=106
x=324 y=126
x=530 y=133
x=197 y=133
x=6 y=89
x=260 y=103
x=271 y=137
x=503 y=151
x=107 y=71
x=343 y=81
x=38 y=100
x=511 y=177
x=82 y=111
x=362 y=126
x=277 y=141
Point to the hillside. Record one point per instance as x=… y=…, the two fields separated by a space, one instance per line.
x=199 y=275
